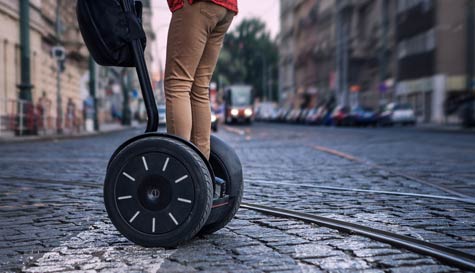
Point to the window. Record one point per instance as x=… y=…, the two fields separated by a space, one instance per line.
x=404 y=5
x=420 y=43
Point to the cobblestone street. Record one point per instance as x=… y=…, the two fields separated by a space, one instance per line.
x=409 y=181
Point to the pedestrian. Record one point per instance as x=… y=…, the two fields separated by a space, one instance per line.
x=40 y=109
x=44 y=106
x=195 y=38
x=70 y=114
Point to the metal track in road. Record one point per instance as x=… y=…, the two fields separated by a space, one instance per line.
x=329 y=188
x=398 y=173
x=447 y=255
x=352 y=158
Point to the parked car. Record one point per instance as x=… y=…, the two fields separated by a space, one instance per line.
x=363 y=116
x=316 y=115
x=265 y=111
x=162 y=113
x=303 y=115
x=467 y=113
x=276 y=114
x=341 y=116
x=285 y=113
x=311 y=116
x=397 y=113
x=281 y=113
x=293 y=115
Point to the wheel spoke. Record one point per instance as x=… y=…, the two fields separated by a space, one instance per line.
x=135 y=216
x=128 y=176
x=165 y=164
x=184 y=200
x=145 y=163
x=173 y=218
x=181 y=179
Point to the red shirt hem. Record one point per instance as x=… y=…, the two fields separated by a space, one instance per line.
x=228 y=4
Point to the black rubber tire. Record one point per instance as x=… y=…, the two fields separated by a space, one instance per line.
x=226 y=165
x=198 y=174
x=176 y=138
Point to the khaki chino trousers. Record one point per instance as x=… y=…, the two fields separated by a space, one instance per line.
x=195 y=39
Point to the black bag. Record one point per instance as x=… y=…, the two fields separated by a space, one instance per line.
x=108 y=30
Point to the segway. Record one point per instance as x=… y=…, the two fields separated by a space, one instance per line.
x=159 y=189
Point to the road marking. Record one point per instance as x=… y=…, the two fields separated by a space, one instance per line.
x=135 y=216
x=173 y=218
x=337 y=153
x=145 y=163
x=375 y=165
x=184 y=200
x=128 y=176
x=235 y=130
x=166 y=164
x=125 y=197
x=181 y=179
x=153 y=225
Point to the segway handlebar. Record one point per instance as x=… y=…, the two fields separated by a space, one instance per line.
x=144 y=79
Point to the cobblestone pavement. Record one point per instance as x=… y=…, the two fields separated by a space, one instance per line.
x=53 y=218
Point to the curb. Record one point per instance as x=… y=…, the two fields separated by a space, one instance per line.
x=454 y=129
x=13 y=140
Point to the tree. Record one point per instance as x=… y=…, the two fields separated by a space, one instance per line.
x=249 y=56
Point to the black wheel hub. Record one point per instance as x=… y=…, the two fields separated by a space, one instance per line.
x=155 y=193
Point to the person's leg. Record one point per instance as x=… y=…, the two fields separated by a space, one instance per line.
x=187 y=38
x=201 y=115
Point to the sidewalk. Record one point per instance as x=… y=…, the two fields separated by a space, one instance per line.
x=104 y=129
x=445 y=128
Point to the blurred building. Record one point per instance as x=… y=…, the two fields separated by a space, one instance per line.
x=43 y=37
x=286 y=49
x=305 y=39
x=435 y=55
x=342 y=50
x=372 y=52
x=51 y=26
x=324 y=52
x=365 y=52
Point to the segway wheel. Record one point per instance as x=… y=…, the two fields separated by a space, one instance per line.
x=226 y=165
x=158 y=191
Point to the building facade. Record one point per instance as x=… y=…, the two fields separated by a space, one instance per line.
x=364 y=45
x=324 y=52
x=435 y=56
x=51 y=26
x=372 y=52
x=286 y=49
x=43 y=37
x=342 y=51
x=305 y=37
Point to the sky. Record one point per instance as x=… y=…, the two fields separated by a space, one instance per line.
x=266 y=10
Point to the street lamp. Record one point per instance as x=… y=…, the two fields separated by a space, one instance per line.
x=58 y=53
x=25 y=86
